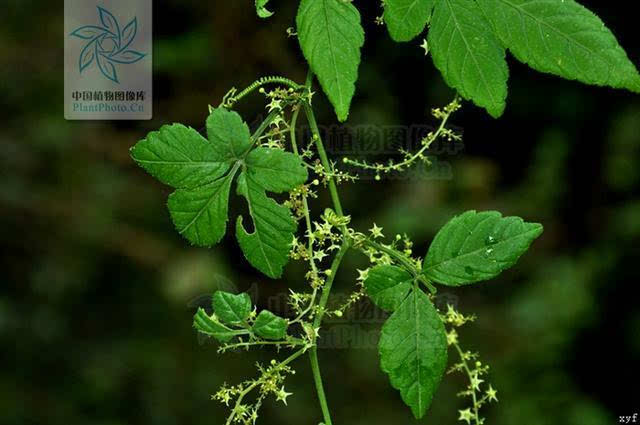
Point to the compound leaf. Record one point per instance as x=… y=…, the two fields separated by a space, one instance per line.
x=406 y=19
x=331 y=37
x=562 y=38
x=270 y=326
x=413 y=351
x=476 y=246
x=208 y=326
x=388 y=286
x=230 y=308
x=200 y=171
x=468 y=53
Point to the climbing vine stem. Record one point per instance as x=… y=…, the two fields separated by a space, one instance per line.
x=322 y=153
x=199 y=208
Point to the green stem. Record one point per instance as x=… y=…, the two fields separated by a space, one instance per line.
x=263 y=126
x=258 y=382
x=307 y=219
x=317 y=321
x=420 y=153
x=326 y=289
x=333 y=189
x=346 y=244
x=305 y=204
x=317 y=378
x=292 y=342
x=474 y=398
x=404 y=261
x=407 y=263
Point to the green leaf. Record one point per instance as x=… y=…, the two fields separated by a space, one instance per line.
x=179 y=157
x=331 y=37
x=267 y=248
x=228 y=134
x=413 y=351
x=270 y=326
x=203 y=170
x=230 y=308
x=388 y=286
x=261 y=9
x=406 y=19
x=468 y=53
x=205 y=324
x=477 y=246
x=562 y=38
x=200 y=214
x=277 y=171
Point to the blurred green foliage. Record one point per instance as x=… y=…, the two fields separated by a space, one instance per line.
x=99 y=291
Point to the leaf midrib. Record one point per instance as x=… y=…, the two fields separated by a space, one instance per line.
x=540 y=22
x=469 y=52
x=417 y=342
x=333 y=57
x=256 y=231
x=476 y=251
x=230 y=175
x=238 y=319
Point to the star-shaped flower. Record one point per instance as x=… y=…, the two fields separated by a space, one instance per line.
x=492 y=394
x=465 y=415
x=376 y=232
x=362 y=274
x=475 y=382
x=282 y=395
x=274 y=104
x=319 y=255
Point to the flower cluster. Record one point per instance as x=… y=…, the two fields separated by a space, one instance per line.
x=477 y=390
x=410 y=158
x=270 y=382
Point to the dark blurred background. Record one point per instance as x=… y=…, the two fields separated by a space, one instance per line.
x=99 y=290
